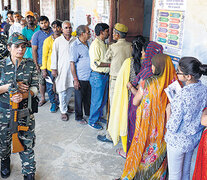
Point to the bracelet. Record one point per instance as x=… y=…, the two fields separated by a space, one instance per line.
x=204 y=108
x=75 y=78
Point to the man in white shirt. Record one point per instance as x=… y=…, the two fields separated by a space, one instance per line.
x=60 y=66
x=16 y=27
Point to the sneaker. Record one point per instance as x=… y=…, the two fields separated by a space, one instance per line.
x=64 y=117
x=53 y=108
x=95 y=126
x=104 y=138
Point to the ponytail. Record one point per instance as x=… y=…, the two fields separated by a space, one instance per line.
x=203 y=69
x=192 y=66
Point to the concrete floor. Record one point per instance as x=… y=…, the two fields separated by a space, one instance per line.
x=69 y=151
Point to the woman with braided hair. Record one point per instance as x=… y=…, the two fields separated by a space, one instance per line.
x=152 y=49
x=118 y=119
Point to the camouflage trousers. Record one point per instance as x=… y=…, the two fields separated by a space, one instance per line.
x=27 y=138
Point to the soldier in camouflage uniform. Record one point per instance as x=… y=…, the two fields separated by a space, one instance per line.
x=27 y=80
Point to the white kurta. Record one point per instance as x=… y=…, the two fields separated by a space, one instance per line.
x=61 y=62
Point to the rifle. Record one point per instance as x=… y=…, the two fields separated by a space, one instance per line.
x=14 y=128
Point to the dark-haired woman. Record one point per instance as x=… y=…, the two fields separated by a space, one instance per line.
x=147 y=158
x=184 y=127
x=152 y=49
x=119 y=109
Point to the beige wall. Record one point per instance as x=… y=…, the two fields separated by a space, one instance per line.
x=24 y=6
x=98 y=9
x=14 y=5
x=47 y=8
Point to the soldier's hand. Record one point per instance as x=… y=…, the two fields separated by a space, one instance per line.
x=44 y=73
x=22 y=87
x=17 y=98
x=76 y=84
x=54 y=72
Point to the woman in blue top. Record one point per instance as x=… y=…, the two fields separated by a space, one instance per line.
x=184 y=127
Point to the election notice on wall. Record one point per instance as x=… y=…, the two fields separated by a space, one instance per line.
x=169 y=26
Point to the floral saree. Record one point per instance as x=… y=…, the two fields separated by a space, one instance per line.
x=146 y=158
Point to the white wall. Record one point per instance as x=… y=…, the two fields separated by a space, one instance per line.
x=98 y=9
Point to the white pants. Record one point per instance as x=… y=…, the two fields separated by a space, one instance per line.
x=178 y=164
x=64 y=98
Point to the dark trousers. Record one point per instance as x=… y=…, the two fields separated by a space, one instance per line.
x=82 y=99
x=49 y=89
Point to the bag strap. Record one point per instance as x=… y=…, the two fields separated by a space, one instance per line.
x=29 y=107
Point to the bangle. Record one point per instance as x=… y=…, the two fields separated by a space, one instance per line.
x=75 y=78
x=204 y=108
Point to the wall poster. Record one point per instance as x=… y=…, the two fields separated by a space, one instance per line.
x=169 y=26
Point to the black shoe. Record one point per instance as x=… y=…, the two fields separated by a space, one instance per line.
x=5 y=168
x=29 y=177
x=103 y=138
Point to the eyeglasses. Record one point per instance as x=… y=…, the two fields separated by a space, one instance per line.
x=179 y=73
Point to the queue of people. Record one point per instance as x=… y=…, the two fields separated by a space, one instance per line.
x=128 y=78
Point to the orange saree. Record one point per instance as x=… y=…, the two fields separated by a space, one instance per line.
x=147 y=158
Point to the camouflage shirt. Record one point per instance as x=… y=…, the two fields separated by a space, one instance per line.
x=26 y=72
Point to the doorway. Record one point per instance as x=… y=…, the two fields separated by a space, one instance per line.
x=35 y=6
x=62 y=10
x=135 y=14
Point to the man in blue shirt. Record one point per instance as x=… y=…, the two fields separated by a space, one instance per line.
x=28 y=32
x=37 y=44
x=80 y=68
x=4 y=13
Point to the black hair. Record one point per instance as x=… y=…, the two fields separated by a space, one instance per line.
x=192 y=66
x=100 y=27
x=10 y=12
x=58 y=23
x=137 y=46
x=42 y=18
x=15 y=13
x=80 y=29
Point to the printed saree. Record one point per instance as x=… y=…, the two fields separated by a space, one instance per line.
x=153 y=48
x=146 y=158
x=200 y=172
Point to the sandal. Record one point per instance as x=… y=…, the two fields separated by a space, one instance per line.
x=41 y=103
x=121 y=152
x=82 y=121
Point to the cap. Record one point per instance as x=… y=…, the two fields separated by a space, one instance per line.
x=121 y=27
x=17 y=38
x=29 y=13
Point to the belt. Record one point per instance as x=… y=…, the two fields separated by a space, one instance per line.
x=4 y=105
x=102 y=73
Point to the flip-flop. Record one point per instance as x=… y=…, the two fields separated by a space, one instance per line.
x=121 y=152
x=41 y=103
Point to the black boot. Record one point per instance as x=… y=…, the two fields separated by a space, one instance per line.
x=29 y=177
x=5 y=168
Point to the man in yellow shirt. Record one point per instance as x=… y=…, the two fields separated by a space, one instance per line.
x=46 y=63
x=99 y=76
